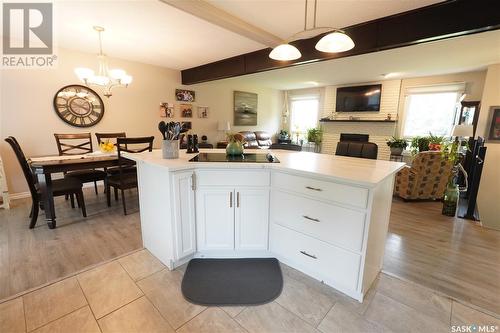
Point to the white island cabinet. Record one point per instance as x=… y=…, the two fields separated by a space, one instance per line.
x=324 y=215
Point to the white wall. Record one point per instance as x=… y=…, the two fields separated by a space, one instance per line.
x=27 y=112
x=392 y=102
x=218 y=95
x=489 y=189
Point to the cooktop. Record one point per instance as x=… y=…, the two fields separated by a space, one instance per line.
x=222 y=157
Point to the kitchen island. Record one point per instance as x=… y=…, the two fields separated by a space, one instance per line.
x=324 y=215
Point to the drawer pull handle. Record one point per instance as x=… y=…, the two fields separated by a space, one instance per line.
x=309 y=255
x=314 y=188
x=310 y=218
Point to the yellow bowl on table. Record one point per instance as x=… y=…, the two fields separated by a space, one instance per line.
x=107 y=147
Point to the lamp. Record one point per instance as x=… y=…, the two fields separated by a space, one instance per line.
x=105 y=77
x=335 y=41
x=223 y=126
x=463 y=130
x=285 y=52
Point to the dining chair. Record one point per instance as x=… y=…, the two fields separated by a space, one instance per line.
x=125 y=179
x=77 y=144
x=66 y=186
x=101 y=137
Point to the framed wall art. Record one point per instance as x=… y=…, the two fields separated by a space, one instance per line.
x=494 y=131
x=183 y=95
x=186 y=110
x=202 y=112
x=245 y=108
x=163 y=109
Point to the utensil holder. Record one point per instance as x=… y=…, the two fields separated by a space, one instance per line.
x=170 y=149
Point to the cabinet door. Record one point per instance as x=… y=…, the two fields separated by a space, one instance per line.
x=251 y=219
x=184 y=214
x=215 y=218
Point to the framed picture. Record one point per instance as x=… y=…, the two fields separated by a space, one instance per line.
x=202 y=112
x=163 y=109
x=186 y=125
x=245 y=108
x=170 y=111
x=184 y=95
x=494 y=133
x=186 y=110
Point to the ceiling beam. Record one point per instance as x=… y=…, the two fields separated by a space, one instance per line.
x=427 y=24
x=223 y=19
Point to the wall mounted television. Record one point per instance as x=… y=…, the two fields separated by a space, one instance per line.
x=358 y=98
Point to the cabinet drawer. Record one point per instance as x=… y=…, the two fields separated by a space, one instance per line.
x=333 y=224
x=244 y=177
x=351 y=195
x=317 y=258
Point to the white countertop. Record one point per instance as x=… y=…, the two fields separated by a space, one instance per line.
x=347 y=169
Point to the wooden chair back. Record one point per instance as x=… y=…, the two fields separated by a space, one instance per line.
x=21 y=158
x=132 y=145
x=74 y=144
x=101 y=137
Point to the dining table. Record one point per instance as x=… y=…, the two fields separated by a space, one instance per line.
x=44 y=167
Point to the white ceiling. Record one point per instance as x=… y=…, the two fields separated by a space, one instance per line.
x=155 y=33
x=145 y=31
x=460 y=54
x=283 y=18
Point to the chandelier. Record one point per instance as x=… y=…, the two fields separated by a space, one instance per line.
x=335 y=41
x=106 y=78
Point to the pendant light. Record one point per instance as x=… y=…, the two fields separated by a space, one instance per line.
x=106 y=78
x=335 y=41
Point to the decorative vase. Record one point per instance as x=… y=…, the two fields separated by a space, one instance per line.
x=170 y=149
x=234 y=148
x=397 y=151
x=450 y=200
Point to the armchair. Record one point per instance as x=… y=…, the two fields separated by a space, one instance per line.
x=425 y=179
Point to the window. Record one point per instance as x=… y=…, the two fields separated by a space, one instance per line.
x=431 y=110
x=303 y=114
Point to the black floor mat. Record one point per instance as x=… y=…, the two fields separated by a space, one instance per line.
x=248 y=281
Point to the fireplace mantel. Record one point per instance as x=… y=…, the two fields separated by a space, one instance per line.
x=327 y=120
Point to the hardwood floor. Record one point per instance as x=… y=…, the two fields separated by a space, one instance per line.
x=30 y=258
x=450 y=255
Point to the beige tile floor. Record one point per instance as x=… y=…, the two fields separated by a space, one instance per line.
x=136 y=293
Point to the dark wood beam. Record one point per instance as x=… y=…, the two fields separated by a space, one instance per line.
x=435 y=22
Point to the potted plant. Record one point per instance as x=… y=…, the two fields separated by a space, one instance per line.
x=419 y=144
x=315 y=135
x=235 y=142
x=283 y=135
x=450 y=199
x=435 y=142
x=397 y=145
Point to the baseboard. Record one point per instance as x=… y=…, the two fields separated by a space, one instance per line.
x=19 y=195
x=27 y=194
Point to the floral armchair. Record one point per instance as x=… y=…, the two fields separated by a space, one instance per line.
x=425 y=179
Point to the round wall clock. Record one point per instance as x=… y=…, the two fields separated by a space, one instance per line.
x=78 y=105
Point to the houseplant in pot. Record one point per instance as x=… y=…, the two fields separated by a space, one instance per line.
x=450 y=152
x=397 y=145
x=283 y=135
x=315 y=135
x=235 y=144
x=435 y=142
x=419 y=144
